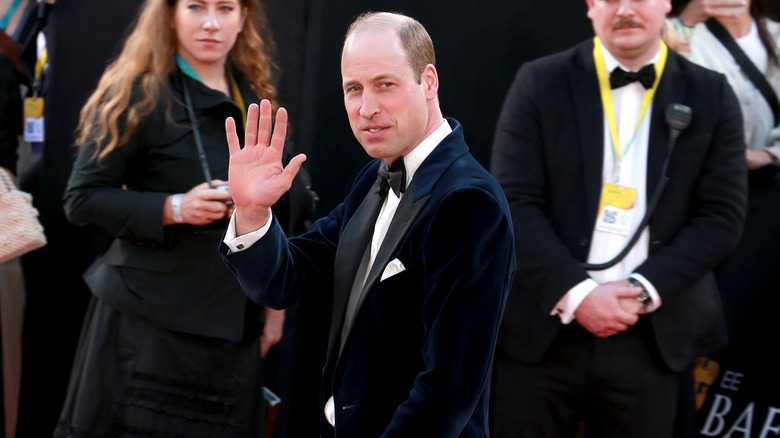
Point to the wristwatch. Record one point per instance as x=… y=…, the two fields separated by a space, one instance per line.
x=644 y=296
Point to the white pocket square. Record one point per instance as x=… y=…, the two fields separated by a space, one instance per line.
x=392 y=268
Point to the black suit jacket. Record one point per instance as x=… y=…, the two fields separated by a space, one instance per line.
x=548 y=154
x=418 y=357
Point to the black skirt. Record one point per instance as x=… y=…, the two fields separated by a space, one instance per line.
x=132 y=379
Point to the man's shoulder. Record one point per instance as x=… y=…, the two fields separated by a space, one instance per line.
x=551 y=67
x=564 y=56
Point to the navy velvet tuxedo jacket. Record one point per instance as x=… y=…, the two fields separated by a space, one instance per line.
x=417 y=359
x=548 y=154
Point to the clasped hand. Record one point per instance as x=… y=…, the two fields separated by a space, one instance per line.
x=609 y=309
x=256 y=174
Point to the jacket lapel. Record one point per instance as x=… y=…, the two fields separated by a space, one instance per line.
x=590 y=114
x=352 y=245
x=404 y=216
x=671 y=89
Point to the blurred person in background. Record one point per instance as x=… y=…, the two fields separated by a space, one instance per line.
x=615 y=295
x=170 y=344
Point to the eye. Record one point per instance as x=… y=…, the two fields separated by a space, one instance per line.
x=352 y=89
x=386 y=84
x=194 y=7
x=227 y=8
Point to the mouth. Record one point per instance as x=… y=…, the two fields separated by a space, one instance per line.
x=373 y=129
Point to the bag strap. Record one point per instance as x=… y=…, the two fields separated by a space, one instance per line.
x=747 y=65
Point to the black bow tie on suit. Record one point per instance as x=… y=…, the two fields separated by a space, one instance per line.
x=393 y=177
x=620 y=77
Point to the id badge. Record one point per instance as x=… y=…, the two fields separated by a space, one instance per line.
x=33 y=119
x=616 y=209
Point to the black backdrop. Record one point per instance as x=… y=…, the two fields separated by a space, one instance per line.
x=479 y=46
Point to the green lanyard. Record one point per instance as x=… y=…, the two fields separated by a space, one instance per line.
x=9 y=13
x=234 y=90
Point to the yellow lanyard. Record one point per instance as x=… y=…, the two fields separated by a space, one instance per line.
x=606 y=96
x=39 y=65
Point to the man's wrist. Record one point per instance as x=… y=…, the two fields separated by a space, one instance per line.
x=644 y=296
x=684 y=31
x=176 y=207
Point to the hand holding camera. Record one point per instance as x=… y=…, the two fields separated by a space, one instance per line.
x=201 y=205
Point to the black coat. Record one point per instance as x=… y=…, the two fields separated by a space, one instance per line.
x=10 y=114
x=548 y=156
x=169 y=275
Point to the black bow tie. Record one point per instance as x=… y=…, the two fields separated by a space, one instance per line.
x=620 y=77
x=393 y=176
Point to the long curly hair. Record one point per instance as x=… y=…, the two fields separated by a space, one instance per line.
x=111 y=114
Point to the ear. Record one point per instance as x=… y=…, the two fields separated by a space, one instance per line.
x=430 y=80
x=590 y=8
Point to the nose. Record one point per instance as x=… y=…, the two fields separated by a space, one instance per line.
x=369 y=105
x=625 y=7
x=210 y=20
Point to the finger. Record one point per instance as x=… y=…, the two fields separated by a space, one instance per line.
x=264 y=347
x=293 y=167
x=280 y=131
x=250 y=131
x=232 y=136
x=628 y=292
x=628 y=318
x=264 y=126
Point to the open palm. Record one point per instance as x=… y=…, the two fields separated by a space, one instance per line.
x=256 y=174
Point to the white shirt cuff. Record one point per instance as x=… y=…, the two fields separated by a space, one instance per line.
x=330 y=411
x=655 y=299
x=571 y=301
x=244 y=241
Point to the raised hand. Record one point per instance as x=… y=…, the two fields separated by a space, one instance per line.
x=697 y=11
x=256 y=174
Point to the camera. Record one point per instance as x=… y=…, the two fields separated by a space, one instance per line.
x=225 y=188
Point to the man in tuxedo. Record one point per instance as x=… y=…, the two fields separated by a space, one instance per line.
x=418 y=262
x=581 y=152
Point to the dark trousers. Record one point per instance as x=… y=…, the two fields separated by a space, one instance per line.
x=615 y=387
